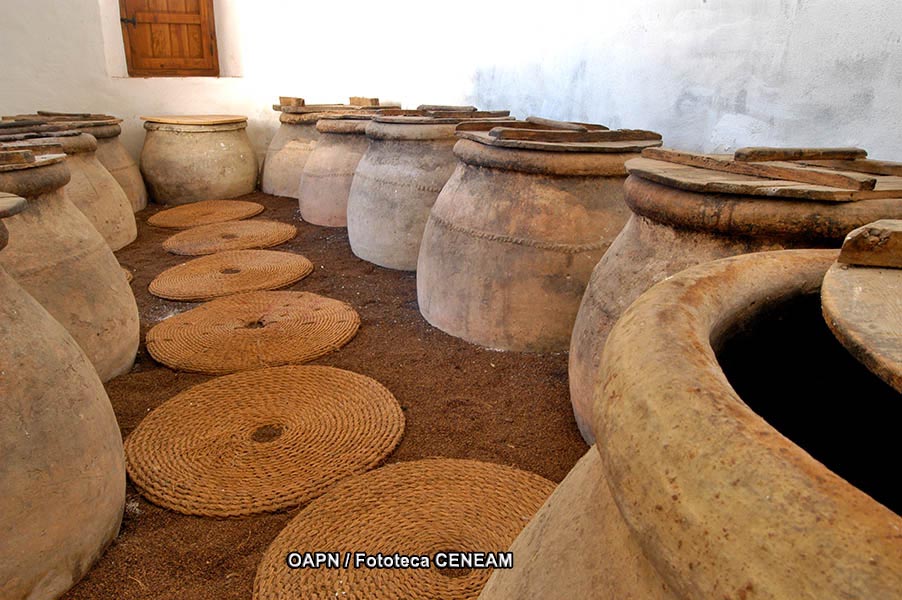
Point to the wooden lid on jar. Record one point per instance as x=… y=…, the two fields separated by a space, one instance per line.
x=812 y=174
x=547 y=135
x=196 y=119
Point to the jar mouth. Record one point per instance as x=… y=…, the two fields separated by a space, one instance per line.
x=819 y=224
x=541 y=162
x=47 y=174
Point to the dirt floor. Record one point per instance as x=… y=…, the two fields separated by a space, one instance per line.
x=459 y=400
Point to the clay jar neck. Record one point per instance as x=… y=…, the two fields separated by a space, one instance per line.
x=30 y=183
x=797 y=221
x=542 y=162
x=83 y=143
x=100 y=132
x=411 y=131
x=343 y=126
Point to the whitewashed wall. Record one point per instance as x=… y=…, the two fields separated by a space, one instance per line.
x=708 y=74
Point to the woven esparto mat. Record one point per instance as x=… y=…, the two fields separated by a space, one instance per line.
x=204 y=213
x=252 y=331
x=412 y=508
x=227 y=273
x=263 y=440
x=233 y=235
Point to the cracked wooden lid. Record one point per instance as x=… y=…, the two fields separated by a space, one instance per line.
x=196 y=119
x=818 y=174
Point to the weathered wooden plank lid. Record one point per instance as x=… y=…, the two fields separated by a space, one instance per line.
x=10 y=204
x=196 y=119
x=862 y=298
x=24 y=161
x=537 y=133
x=437 y=117
x=817 y=174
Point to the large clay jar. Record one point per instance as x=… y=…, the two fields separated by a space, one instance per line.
x=110 y=151
x=405 y=166
x=326 y=181
x=112 y=154
x=691 y=494
x=62 y=470
x=292 y=146
x=515 y=232
x=62 y=261
x=191 y=158
x=92 y=189
x=673 y=228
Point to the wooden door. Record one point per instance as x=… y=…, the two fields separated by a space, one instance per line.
x=169 y=38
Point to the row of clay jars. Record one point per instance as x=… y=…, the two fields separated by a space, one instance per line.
x=399 y=177
x=92 y=189
x=325 y=183
x=672 y=229
x=513 y=237
x=689 y=494
x=188 y=162
x=62 y=261
x=288 y=153
x=62 y=470
x=110 y=151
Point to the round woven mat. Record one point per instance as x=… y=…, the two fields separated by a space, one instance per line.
x=227 y=273
x=263 y=440
x=412 y=508
x=204 y=213
x=234 y=235
x=252 y=331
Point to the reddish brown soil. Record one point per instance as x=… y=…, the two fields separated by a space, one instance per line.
x=460 y=401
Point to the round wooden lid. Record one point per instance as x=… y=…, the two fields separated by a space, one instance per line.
x=196 y=119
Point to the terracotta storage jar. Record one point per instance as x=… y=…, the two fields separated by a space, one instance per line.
x=408 y=160
x=62 y=261
x=685 y=215
x=110 y=151
x=515 y=232
x=199 y=157
x=697 y=488
x=92 y=189
x=326 y=181
x=62 y=470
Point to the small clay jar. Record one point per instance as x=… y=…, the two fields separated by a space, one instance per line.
x=326 y=181
x=672 y=229
x=399 y=177
x=191 y=158
x=690 y=494
x=92 y=188
x=58 y=256
x=63 y=470
x=292 y=146
x=515 y=232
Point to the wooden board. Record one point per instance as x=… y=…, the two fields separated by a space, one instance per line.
x=695 y=179
x=434 y=107
x=15 y=157
x=570 y=136
x=483 y=137
x=877 y=244
x=313 y=108
x=768 y=154
x=39 y=161
x=863 y=308
x=874 y=167
x=768 y=170
x=196 y=119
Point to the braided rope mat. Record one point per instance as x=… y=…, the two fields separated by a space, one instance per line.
x=412 y=508
x=227 y=273
x=263 y=440
x=252 y=331
x=204 y=212
x=233 y=235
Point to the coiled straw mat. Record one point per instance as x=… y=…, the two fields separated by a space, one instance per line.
x=204 y=213
x=412 y=508
x=233 y=272
x=233 y=235
x=263 y=440
x=252 y=331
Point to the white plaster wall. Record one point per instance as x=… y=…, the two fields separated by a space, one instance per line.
x=708 y=74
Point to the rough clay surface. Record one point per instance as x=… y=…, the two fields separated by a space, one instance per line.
x=459 y=401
